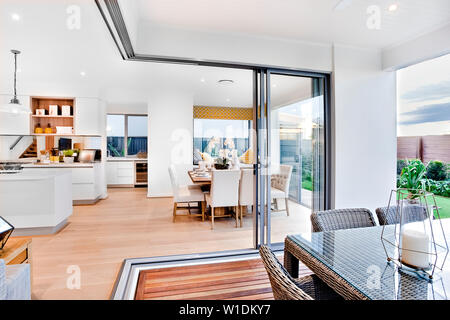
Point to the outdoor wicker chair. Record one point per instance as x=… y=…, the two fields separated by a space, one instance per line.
x=285 y=287
x=412 y=213
x=341 y=219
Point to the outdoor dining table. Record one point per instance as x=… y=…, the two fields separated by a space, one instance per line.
x=353 y=262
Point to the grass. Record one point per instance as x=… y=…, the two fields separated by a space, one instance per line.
x=306 y=184
x=444 y=206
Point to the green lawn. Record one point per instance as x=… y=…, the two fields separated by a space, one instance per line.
x=307 y=185
x=444 y=206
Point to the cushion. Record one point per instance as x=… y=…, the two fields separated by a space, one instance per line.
x=247 y=156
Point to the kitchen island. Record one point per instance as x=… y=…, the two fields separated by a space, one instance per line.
x=36 y=203
x=88 y=182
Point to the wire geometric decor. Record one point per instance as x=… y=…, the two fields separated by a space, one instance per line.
x=418 y=242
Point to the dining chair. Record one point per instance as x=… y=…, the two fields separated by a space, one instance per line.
x=224 y=192
x=412 y=213
x=341 y=219
x=185 y=194
x=284 y=287
x=245 y=191
x=280 y=186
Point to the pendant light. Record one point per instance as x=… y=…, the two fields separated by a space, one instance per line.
x=14 y=107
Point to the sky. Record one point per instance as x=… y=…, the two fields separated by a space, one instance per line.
x=424 y=98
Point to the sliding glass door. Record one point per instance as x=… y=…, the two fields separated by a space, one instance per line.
x=292 y=175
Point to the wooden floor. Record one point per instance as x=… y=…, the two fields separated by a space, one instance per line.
x=238 y=280
x=129 y=225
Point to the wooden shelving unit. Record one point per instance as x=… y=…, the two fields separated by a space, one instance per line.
x=54 y=120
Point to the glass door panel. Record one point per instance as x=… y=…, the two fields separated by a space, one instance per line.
x=297 y=152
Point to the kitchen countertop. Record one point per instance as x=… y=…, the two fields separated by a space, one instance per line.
x=59 y=165
x=125 y=159
x=31 y=175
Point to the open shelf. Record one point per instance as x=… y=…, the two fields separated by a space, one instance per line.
x=51 y=120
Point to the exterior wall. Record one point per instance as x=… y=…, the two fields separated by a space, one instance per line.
x=364 y=129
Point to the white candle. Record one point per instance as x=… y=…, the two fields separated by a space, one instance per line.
x=419 y=244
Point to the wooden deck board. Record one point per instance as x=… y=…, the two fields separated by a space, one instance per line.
x=236 y=280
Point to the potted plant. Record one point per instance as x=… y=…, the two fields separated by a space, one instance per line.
x=222 y=163
x=413 y=178
x=68 y=156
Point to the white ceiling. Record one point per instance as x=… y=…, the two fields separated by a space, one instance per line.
x=303 y=20
x=53 y=56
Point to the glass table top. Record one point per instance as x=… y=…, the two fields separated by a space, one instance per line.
x=357 y=255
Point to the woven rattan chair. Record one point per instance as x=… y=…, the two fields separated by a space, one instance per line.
x=412 y=213
x=285 y=287
x=341 y=219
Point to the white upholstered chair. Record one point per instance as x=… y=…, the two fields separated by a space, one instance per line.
x=224 y=191
x=280 y=185
x=185 y=194
x=245 y=190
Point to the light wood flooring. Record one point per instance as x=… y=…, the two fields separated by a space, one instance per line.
x=129 y=225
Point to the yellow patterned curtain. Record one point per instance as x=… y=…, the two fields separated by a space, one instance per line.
x=202 y=112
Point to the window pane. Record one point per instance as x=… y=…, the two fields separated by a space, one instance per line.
x=116 y=134
x=137 y=134
x=213 y=135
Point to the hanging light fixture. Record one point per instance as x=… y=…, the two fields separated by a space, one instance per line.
x=14 y=107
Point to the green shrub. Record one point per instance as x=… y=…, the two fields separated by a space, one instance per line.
x=412 y=176
x=439 y=188
x=401 y=163
x=436 y=170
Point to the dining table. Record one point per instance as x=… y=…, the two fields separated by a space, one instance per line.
x=353 y=262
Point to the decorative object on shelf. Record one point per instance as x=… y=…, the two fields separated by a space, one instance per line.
x=418 y=243
x=14 y=106
x=5 y=231
x=49 y=129
x=38 y=129
x=222 y=163
x=40 y=112
x=64 y=130
x=53 y=110
x=65 y=110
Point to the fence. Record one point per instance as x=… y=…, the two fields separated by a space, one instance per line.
x=425 y=148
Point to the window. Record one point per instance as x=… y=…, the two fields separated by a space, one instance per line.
x=213 y=135
x=127 y=135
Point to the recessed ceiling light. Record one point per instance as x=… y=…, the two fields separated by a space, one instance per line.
x=202 y=80
x=225 y=81
x=82 y=73
x=228 y=99
x=15 y=17
x=393 y=7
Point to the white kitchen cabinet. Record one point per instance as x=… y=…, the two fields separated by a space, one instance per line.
x=86 y=179
x=120 y=173
x=89 y=116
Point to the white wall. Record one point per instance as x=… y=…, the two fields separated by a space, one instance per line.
x=129 y=108
x=364 y=129
x=170 y=138
x=175 y=42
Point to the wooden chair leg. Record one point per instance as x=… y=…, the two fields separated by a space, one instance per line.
x=203 y=206
x=174 y=211
x=287 y=205
x=240 y=214
x=212 y=218
x=236 y=215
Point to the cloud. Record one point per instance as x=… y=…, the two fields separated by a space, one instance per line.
x=427 y=113
x=429 y=92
